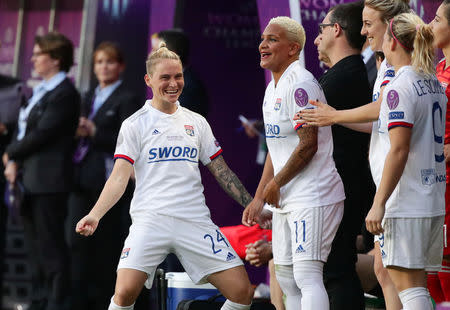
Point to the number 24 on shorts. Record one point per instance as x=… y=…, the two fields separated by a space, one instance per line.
x=219 y=238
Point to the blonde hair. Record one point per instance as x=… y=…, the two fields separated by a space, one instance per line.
x=388 y=8
x=157 y=55
x=416 y=38
x=294 y=31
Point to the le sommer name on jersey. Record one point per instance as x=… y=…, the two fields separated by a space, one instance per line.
x=430 y=86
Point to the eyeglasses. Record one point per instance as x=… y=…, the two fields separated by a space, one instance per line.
x=321 y=26
x=35 y=54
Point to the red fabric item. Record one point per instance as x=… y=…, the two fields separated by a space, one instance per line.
x=434 y=286
x=446 y=228
x=444 y=277
x=443 y=76
x=240 y=235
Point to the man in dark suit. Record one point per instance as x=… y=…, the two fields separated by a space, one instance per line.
x=104 y=108
x=42 y=148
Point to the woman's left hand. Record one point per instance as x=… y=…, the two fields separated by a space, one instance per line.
x=374 y=219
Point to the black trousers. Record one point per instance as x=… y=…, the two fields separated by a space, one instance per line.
x=43 y=221
x=340 y=278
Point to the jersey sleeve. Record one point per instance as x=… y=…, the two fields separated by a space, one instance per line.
x=389 y=74
x=128 y=143
x=298 y=99
x=209 y=146
x=399 y=107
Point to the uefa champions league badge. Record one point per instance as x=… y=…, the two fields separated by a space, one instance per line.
x=301 y=97
x=277 y=105
x=189 y=130
x=125 y=253
x=392 y=99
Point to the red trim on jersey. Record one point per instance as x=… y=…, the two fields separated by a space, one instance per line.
x=217 y=154
x=298 y=126
x=124 y=157
x=385 y=83
x=399 y=124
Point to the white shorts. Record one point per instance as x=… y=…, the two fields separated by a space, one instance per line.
x=412 y=243
x=305 y=234
x=200 y=246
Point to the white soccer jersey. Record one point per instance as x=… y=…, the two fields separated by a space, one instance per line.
x=413 y=101
x=385 y=74
x=318 y=184
x=165 y=150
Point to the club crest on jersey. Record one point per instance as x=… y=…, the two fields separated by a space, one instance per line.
x=301 y=97
x=125 y=253
x=392 y=99
x=189 y=130
x=277 y=105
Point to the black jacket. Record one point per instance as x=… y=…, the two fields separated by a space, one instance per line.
x=91 y=172
x=45 y=152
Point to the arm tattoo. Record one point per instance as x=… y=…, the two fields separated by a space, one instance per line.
x=300 y=157
x=229 y=181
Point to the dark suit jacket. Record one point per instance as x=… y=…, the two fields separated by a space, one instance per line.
x=45 y=152
x=91 y=172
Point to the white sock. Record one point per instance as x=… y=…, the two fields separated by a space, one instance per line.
x=113 y=306
x=229 y=305
x=416 y=298
x=309 y=278
x=285 y=277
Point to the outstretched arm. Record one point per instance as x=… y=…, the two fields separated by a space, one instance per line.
x=229 y=181
x=112 y=191
x=325 y=115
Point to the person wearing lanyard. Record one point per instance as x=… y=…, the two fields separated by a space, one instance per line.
x=104 y=108
x=42 y=148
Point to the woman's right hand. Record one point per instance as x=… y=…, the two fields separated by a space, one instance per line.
x=252 y=212
x=87 y=225
x=322 y=115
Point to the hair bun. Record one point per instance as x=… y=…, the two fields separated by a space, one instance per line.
x=162 y=44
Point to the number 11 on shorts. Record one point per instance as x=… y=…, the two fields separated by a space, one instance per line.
x=303 y=227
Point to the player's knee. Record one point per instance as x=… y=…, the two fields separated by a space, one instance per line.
x=285 y=277
x=124 y=296
x=308 y=273
x=242 y=293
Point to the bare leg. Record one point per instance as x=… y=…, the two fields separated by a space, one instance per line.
x=412 y=287
x=365 y=270
x=276 y=294
x=389 y=291
x=128 y=286
x=234 y=284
